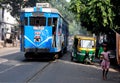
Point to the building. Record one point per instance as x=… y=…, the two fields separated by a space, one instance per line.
x=7 y=22
x=1 y=25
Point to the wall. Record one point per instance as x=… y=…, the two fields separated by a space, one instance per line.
x=118 y=47
x=1 y=25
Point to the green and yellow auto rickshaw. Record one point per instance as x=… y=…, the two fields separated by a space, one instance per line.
x=83 y=49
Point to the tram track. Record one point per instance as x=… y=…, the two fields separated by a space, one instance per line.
x=37 y=73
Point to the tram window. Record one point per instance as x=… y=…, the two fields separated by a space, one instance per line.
x=37 y=21
x=55 y=21
x=54 y=25
x=49 y=21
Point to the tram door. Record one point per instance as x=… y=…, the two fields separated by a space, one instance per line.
x=54 y=26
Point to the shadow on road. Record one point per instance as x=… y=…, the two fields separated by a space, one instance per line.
x=18 y=56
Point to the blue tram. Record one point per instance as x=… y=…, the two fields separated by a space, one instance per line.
x=43 y=30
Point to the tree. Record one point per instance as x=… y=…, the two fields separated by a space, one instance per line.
x=15 y=6
x=77 y=7
x=63 y=7
x=18 y=4
x=1 y=1
x=95 y=15
x=116 y=9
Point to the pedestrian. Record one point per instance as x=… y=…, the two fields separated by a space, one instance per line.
x=105 y=62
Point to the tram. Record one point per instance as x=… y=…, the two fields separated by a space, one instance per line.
x=43 y=30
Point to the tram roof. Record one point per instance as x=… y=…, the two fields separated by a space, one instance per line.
x=35 y=9
x=42 y=7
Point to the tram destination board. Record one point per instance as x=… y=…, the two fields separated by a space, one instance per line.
x=38 y=14
x=44 y=5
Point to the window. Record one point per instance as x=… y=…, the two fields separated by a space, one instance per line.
x=54 y=25
x=87 y=43
x=49 y=21
x=52 y=22
x=55 y=22
x=37 y=21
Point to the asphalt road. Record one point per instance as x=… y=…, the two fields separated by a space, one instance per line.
x=14 y=68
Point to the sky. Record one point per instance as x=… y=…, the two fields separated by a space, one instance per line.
x=68 y=0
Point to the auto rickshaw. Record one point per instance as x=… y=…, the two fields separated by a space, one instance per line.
x=83 y=49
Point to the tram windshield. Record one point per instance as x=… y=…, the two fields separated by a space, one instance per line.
x=37 y=21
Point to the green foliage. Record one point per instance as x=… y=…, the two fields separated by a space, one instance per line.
x=94 y=14
x=77 y=7
x=116 y=9
x=1 y=1
x=63 y=8
x=100 y=12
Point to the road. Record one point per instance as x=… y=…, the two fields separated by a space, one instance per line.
x=14 y=68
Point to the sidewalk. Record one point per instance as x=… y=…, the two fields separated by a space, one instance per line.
x=1 y=44
x=8 y=50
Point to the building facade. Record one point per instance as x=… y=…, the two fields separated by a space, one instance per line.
x=7 y=23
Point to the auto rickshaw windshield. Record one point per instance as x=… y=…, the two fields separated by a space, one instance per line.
x=87 y=43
